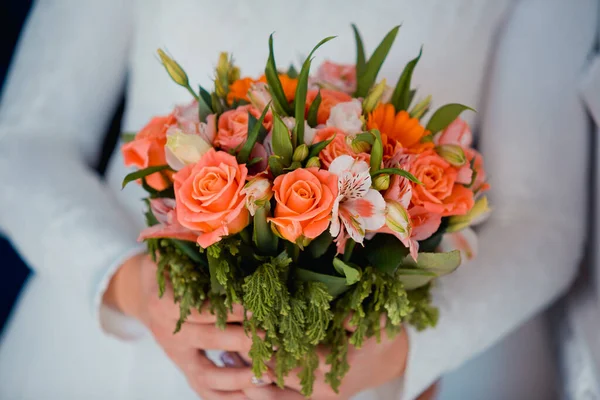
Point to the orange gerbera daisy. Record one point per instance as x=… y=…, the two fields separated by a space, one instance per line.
x=399 y=127
x=239 y=89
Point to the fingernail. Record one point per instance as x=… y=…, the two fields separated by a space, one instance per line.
x=264 y=381
x=228 y=359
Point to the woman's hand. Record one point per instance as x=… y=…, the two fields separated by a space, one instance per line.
x=372 y=365
x=134 y=291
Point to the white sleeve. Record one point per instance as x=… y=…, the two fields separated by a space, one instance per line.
x=62 y=89
x=535 y=137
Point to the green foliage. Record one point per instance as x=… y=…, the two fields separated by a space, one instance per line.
x=313 y=110
x=444 y=116
x=262 y=235
x=360 y=52
x=376 y=152
x=318 y=314
x=368 y=75
x=320 y=244
x=316 y=148
x=310 y=363
x=282 y=144
x=352 y=274
x=142 y=173
x=398 y=171
x=280 y=102
x=254 y=128
x=300 y=98
x=385 y=252
x=423 y=315
x=292 y=72
x=127 y=137
x=401 y=97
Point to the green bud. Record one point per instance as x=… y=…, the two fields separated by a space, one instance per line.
x=224 y=73
x=295 y=165
x=360 y=146
x=420 y=108
x=381 y=182
x=173 y=69
x=373 y=97
x=452 y=153
x=479 y=211
x=300 y=153
x=313 y=162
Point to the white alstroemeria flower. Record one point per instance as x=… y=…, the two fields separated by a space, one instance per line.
x=358 y=208
x=347 y=117
x=184 y=148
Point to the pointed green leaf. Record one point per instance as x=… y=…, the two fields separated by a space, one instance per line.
x=316 y=148
x=352 y=274
x=438 y=263
x=385 y=252
x=366 y=137
x=313 y=111
x=254 y=126
x=336 y=285
x=275 y=165
x=190 y=249
x=282 y=144
x=402 y=93
x=360 y=52
x=444 y=116
x=300 y=99
x=376 y=152
x=320 y=244
x=398 y=171
x=262 y=235
x=414 y=278
x=255 y=160
x=278 y=95
x=204 y=104
x=291 y=72
x=372 y=67
x=134 y=176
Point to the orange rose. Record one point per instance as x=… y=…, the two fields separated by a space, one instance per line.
x=339 y=146
x=439 y=194
x=305 y=200
x=329 y=98
x=148 y=150
x=209 y=198
x=233 y=126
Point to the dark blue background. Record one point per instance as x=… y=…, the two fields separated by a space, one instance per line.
x=14 y=272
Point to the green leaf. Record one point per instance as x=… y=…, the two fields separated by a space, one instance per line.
x=142 y=173
x=320 y=244
x=335 y=285
x=444 y=116
x=254 y=126
x=255 y=160
x=300 y=99
x=376 y=152
x=360 y=52
x=313 y=110
x=352 y=274
x=204 y=104
x=316 y=148
x=366 y=137
x=398 y=171
x=385 y=252
x=279 y=100
x=291 y=72
x=282 y=144
x=218 y=269
x=438 y=263
x=401 y=96
x=127 y=137
x=372 y=67
x=414 y=278
x=276 y=165
x=190 y=249
x=262 y=235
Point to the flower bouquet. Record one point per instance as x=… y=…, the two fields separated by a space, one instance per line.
x=312 y=201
